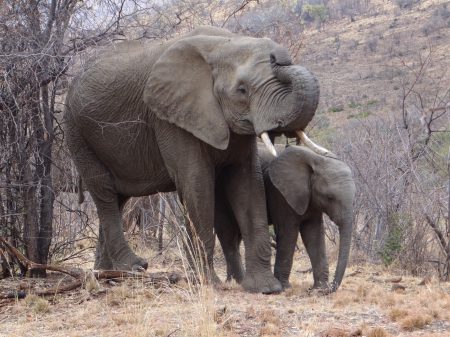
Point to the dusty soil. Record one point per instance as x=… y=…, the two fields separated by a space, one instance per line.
x=363 y=305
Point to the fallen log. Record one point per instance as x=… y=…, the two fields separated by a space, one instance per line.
x=80 y=276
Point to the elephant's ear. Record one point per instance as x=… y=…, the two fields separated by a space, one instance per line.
x=180 y=90
x=291 y=175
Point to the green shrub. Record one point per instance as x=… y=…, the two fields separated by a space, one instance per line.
x=396 y=87
x=362 y=114
x=394 y=241
x=372 y=101
x=336 y=109
x=318 y=12
x=353 y=105
x=392 y=246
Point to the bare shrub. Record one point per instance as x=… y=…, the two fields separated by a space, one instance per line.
x=401 y=167
x=372 y=44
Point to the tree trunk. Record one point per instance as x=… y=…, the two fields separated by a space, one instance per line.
x=47 y=195
x=30 y=226
x=162 y=212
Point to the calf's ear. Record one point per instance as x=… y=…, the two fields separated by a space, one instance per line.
x=291 y=175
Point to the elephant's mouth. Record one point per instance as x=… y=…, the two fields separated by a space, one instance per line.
x=266 y=138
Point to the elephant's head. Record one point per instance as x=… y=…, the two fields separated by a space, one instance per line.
x=215 y=82
x=306 y=179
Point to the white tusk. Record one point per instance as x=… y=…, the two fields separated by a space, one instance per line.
x=266 y=140
x=309 y=143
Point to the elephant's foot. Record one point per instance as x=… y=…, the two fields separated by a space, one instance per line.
x=283 y=278
x=321 y=285
x=264 y=283
x=237 y=274
x=132 y=262
x=214 y=278
x=285 y=284
x=321 y=288
x=103 y=262
x=103 y=265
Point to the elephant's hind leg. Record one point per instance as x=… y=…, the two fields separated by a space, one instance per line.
x=113 y=252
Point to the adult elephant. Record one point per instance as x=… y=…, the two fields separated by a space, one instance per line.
x=300 y=186
x=183 y=116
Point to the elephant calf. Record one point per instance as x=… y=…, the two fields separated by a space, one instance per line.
x=300 y=186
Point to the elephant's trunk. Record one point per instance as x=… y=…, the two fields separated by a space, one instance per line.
x=345 y=234
x=302 y=102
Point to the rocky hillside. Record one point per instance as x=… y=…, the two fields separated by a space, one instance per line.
x=367 y=62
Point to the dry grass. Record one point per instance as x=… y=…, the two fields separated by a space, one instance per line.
x=137 y=308
x=411 y=323
x=361 y=306
x=395 y=314
x=377 y=332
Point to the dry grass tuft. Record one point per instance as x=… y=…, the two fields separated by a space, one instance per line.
x=334 y=332
x=362 y=291
x=434 y=313
x=91 y=283
x=36 y=303
x=377 y=332
x=269 y=316
x=411 y=323
x=395 y=314
x=269 y=329
x=389 y=300
x=292 y=291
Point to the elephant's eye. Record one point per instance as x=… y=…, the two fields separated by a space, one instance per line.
x=329 y=197
x=242 y=90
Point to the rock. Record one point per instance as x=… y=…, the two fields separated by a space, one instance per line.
x=426 y=281
x=398 y=288
x=373 y=279
x=393 y=279
x=354 y=273
x=305 y=269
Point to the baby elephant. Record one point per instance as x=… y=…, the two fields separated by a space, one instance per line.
x=300 y=186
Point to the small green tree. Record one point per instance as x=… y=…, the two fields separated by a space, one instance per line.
x=319 y=13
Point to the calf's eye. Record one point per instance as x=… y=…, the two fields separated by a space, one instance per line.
x=242 y=90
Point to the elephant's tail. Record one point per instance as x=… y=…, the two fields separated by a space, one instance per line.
x=80 y=190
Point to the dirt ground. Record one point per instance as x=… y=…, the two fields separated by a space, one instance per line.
x=364 y=305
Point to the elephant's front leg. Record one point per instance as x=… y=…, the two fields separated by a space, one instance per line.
x=102 y=259
x=194 y=174
x=313 y=236
x=286 y=231
x=244 y=189
x=229 y=235
x=196 y=188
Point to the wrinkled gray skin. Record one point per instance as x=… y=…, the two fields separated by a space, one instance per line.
x=183 y=116
x=300 y=186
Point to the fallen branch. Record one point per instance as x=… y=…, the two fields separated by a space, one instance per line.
x=80 y=276
x=33 y=265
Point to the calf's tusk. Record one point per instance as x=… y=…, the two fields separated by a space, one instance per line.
x=266 y=140
x=309 y=143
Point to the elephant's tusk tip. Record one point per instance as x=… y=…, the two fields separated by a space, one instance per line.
x=268 y=143
x=309 y=143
